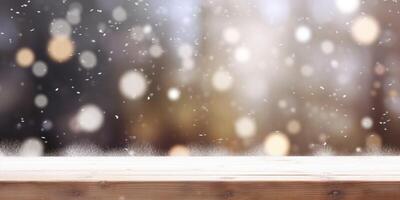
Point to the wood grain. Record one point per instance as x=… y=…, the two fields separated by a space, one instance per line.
x=192 y=178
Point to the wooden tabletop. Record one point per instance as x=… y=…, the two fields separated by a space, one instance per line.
x=195 y=178
x=200 y=168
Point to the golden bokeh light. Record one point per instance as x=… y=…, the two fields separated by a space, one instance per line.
x=25 y=57
x=179 y=150
x=365 y=30
x=245 y=127
x=222 y=80
x=60 y=48
x=293 y=127
x=276 y=144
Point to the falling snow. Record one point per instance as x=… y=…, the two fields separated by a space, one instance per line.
x=199 y=77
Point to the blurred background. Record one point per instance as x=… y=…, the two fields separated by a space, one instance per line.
x=193 y=77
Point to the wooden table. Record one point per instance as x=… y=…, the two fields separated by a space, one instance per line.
x=189 y=178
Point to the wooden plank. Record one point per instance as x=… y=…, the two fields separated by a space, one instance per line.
x=199 y=168
x=126 y=178
x=200 y=190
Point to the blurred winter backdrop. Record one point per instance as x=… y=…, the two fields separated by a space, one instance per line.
x=171 y=77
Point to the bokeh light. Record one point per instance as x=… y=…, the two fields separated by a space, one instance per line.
x=293 y=127
x=156 y=51
x=194 y=77
x=303 y=34
x=367 y=122
x=245 y=127
x=276 y=144
x=89 y=118
x=179 y=150
x=132 y=85
x=222 y=80
x=242 y=54
x=327 y=47
x=60 y=48
x=365 y=30
x=60 y=27
x=307 y=71
x=41 y=101
x=39 y=69
x=119 y=14
x=31 y=147
x=74 y=13
x=25 y=57
x=174 y=94
x=185 y=51
x=88 y=59
x=347 y=6
x=231 y=35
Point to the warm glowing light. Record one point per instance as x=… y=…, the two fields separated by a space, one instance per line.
x=276 y=144
x=347 y=6
x=174 y=94
x=293 y=126
x=133 y=85
x=89 y=118
x=222 y=80
x=179 y=150
x=245 y=127
x=231 y=35
x=88 y=59
x=365 y=30
x=242 y=54
x=367 y=122
x=25 y=57
x=60 y=48
x=303 y=34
